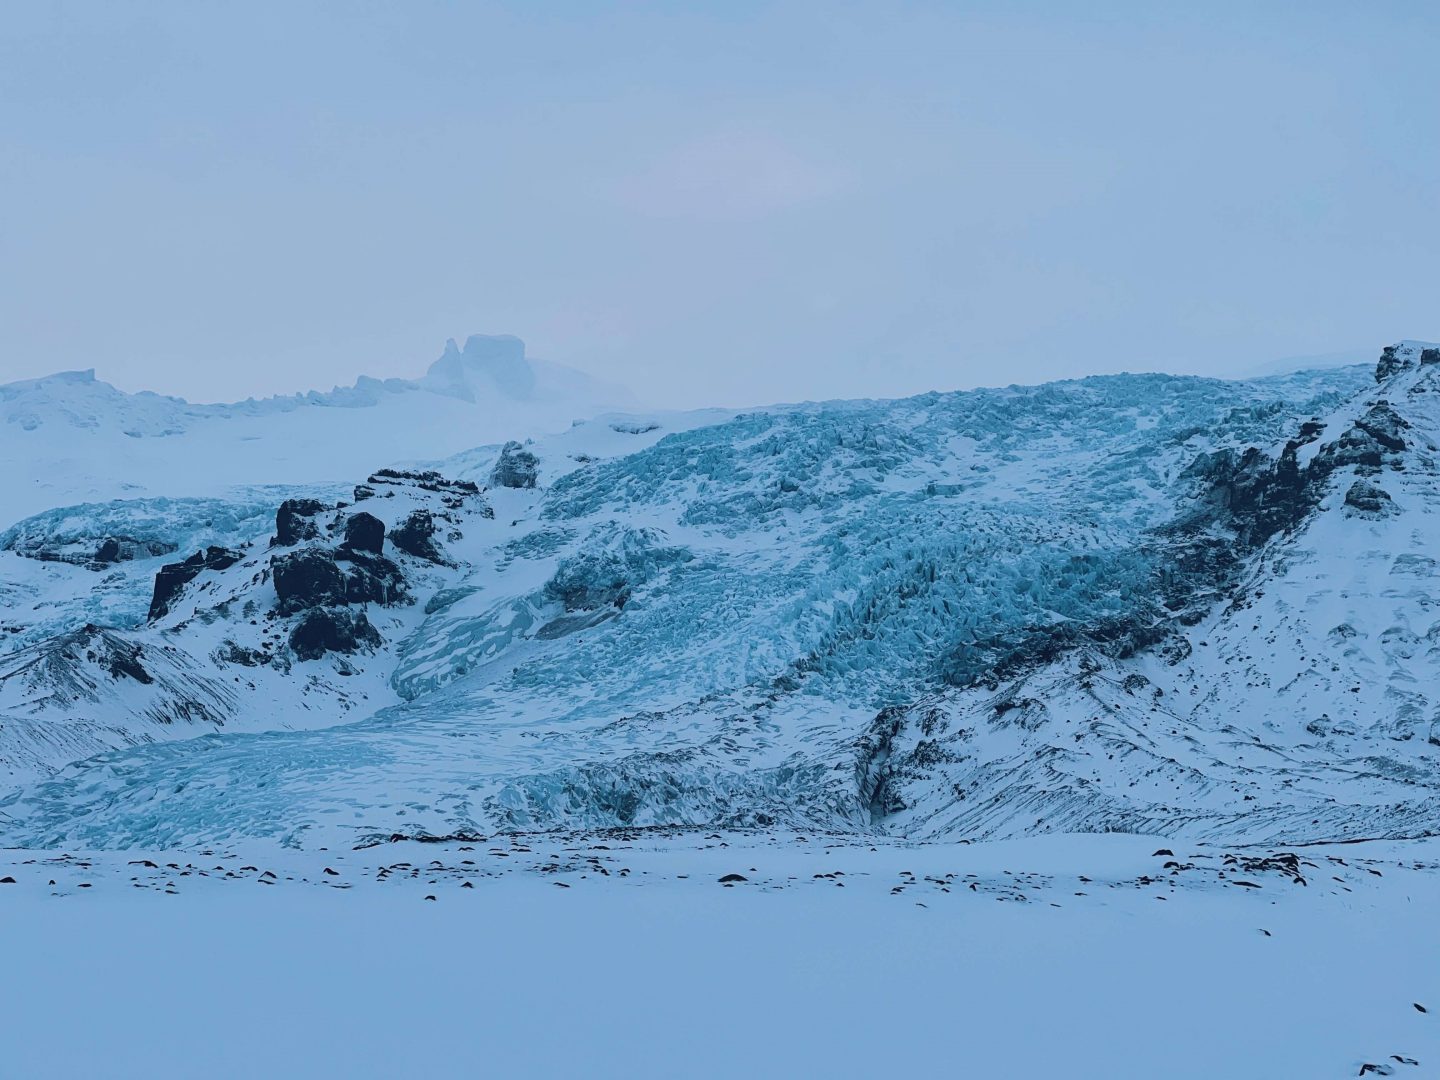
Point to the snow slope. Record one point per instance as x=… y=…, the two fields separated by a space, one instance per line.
x=82 y=440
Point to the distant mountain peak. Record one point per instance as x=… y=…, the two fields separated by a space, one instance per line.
x=498 y=360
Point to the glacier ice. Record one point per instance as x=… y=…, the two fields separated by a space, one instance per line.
x=731 y=622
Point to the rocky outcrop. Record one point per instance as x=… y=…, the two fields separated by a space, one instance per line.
x=1369 y=500
x=173 y=577
x=372 y=579
x=424 y=479
x=516 y=468
x=1385 y=426
x=315 y=577
x=416 y=536
x=324 y=630
x=294 y=521
x=306 y=579
x=364 y=532
x=1405 y=356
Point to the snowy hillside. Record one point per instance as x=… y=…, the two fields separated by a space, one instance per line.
x=754 y=708
x=82 y=440
x=1130 y=603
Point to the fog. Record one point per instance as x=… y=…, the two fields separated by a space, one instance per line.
x=714 y=204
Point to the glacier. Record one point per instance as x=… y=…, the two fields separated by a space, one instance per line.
x=1109 y=706
x=983 y=613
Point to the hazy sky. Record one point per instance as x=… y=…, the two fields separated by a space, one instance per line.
x=714 y=203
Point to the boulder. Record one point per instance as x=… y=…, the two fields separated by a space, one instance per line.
x=1368 y=499
x=416 y=536
x=364 y=532
x=516 y=467
x=307 y=578
x=323 y=630
x=294 y=521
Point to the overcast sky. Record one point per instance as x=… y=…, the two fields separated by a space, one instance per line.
x=724 y=203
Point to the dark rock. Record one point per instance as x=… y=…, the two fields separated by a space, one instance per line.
x=1369 y=499
x=173 y=577
x=416 y=536
x=307 y=578
x=373 y=579
x=1385 y=426
x=323 y=630
x=1356 y=447
x=364 y=532
x=231 y=653
x=121 y=658
x=1393 y=360
x=1164 y=851
x=425 y=480
x=732 y=878
x=7 y=881
x=516 y=467
x=294 y=521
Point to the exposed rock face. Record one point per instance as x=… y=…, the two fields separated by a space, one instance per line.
x=1404 y=357
x=294 y=521
x=516 y=467
x=324 y=630
x=364 y=532
x=1385 y=426
x=1369 y=500
x=373 y=579
x=307 y=578
x=416 y=536
x=173 y=576
x=1393 y=360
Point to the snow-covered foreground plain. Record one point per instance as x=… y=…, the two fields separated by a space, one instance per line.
x=624 y=954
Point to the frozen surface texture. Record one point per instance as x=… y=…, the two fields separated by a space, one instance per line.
x=1129 y=603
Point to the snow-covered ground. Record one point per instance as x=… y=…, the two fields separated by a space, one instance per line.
x=627 y=954
x=981 y=702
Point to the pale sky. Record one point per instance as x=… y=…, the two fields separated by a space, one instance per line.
x=727 y=203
